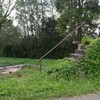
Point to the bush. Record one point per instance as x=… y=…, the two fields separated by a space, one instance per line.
x=70 y=70
x=87 y=40
x=91 y=62
x=63 y=70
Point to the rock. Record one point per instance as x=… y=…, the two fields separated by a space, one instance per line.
x=76 y=42
x=77 y=56
x=81 y=51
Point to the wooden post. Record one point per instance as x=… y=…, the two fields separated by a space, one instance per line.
x=40 y=65
x=66 y=37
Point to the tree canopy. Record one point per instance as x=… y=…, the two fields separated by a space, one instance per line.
x=41 y=24
x=6 y=8
x=73 y=12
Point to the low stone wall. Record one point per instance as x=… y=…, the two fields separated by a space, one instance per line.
x=11 y=69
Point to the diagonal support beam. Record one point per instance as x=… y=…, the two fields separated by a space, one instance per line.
x=39 y=61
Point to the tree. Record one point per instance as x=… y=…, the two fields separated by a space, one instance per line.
x=49 y=38
x=6 y=7
x=29 y=16
x=32 y=14
x=74 y=12
x=9 y=38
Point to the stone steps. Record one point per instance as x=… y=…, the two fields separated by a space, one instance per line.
x=80 y=52
x=81 y=46
x=76 y=56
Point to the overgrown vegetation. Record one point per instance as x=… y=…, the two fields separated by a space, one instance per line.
x=89 y=67
x=87 y=40
x=35 y=85
x=14 y=61
x=91 y=62
x=41 y=24
x=58 y=77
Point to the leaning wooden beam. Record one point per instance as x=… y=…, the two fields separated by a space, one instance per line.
x=39 y=61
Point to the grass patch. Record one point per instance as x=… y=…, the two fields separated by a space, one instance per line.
x=14 y=61
x=36 y=85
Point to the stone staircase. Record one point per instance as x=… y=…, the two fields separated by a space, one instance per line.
x=79 y=53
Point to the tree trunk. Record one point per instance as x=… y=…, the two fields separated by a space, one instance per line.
x=79 y=31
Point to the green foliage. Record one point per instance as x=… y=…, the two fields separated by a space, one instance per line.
x=49 y=37
x=2 y=21
x=93 y=52
x=63 y=70
x=35 y=85
x=87 y=40
x=90 y=66
x=74 y=12
x=37 y=33
x=14 y=61
x=9 y=38
x=91 y=62
x=14 y=44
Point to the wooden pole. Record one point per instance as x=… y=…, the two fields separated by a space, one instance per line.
x=61 y=41
x=70 y=34
x=40 y=65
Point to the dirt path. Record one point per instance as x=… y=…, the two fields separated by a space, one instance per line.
x=85 y=97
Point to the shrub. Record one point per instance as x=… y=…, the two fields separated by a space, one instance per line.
x=87 y=40
x=70 y=70
x=91 y=62
x=64 y=70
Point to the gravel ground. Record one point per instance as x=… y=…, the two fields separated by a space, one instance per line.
x=85 y=97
